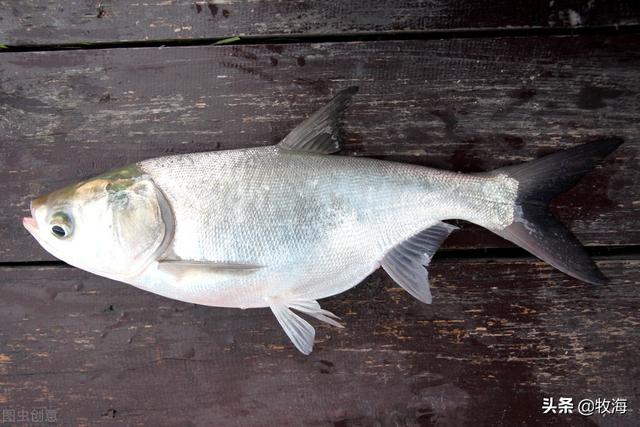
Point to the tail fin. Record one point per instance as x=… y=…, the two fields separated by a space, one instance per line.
x=534 y=228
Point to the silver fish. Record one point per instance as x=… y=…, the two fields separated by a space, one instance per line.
x=286 y=225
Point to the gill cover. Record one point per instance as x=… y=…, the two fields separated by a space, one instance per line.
x=139 y=221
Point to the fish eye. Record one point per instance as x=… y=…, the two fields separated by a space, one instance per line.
x=61 y=225
x=59 y=231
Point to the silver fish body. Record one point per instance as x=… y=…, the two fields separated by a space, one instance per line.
x=287 y=225
x=315 y=225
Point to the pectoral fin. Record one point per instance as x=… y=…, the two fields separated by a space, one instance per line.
x=210 y=265
x=299 y=331
x=319 y=133
x=181 y=268
x=406 y=263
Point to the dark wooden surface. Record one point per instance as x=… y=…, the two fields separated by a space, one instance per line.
x=79 y=21
x=500 y=336
x=504 y=331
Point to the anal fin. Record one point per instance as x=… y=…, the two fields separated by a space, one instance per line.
x=406 y=263
x=299 y=331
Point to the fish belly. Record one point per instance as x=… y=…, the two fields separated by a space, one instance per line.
x=316 y=225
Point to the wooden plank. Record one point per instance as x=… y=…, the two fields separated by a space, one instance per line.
x=500 y=336
x=76 y=21
x=465 y=105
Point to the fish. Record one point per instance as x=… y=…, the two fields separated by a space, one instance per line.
x=284 y=226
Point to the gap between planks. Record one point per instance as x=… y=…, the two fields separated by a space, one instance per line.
x=333 y=38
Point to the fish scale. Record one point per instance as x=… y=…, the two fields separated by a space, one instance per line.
x=317 y=224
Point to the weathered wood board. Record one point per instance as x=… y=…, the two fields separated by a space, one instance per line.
x=500 y=336
x=77 y=21
x=461 y=104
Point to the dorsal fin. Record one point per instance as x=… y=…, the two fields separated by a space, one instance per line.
x=406 y=262
x=319 y=133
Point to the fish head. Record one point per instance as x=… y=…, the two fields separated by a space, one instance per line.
x=113 y=225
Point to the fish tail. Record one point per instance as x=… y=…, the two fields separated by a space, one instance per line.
x=534 y=227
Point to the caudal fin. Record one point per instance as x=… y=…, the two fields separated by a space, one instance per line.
x=534 y=227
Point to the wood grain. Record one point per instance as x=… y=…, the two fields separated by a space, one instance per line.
x=461 y=104
x=77 y=21
x=500 y=336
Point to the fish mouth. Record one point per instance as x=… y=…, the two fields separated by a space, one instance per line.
x=29 y=222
